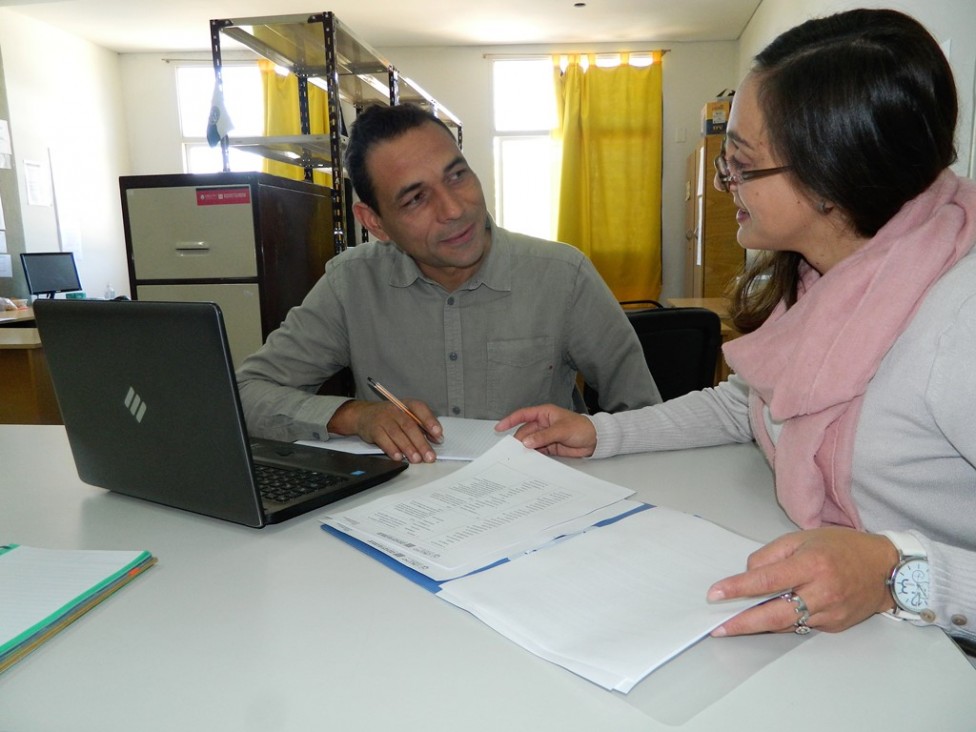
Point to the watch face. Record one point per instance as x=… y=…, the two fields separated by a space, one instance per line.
x=910 y=585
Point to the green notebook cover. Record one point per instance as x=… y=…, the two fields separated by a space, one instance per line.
x=44 y=590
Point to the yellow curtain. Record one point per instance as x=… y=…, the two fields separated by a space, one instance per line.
x=281 y=117
x=610 y=181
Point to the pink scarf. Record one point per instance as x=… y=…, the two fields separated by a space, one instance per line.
x=810 y=365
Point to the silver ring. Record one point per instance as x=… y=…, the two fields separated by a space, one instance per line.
x=801 y=609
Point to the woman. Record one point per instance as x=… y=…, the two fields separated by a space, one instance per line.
x=855 y=373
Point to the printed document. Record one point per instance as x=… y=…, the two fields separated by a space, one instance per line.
x=509 y=501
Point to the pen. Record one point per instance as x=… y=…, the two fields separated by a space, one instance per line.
x=390 y=397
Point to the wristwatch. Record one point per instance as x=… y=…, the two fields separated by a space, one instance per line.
x=909 y=580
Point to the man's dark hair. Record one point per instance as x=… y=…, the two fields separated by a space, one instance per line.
x=375 y=124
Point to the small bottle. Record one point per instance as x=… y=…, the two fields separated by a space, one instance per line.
x=109 y=292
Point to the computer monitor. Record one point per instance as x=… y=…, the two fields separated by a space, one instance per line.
x=48 y=273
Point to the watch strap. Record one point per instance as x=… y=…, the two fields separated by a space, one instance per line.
x=906 y=544
x=908 y=547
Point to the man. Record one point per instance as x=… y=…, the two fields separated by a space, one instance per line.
x=451 y=313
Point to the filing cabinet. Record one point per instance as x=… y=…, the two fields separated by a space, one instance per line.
x=253 y=243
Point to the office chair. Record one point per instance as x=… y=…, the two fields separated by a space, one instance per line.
x=681 y=347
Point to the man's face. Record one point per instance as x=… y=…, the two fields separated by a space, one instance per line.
x=430 y=204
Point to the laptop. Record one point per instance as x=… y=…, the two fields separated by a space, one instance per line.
x=149 y=401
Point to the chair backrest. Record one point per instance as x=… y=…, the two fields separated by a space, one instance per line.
x=681 y=347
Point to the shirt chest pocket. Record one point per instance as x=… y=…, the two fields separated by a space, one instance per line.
x=520 y=373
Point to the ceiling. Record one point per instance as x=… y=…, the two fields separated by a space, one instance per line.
x=183 y=25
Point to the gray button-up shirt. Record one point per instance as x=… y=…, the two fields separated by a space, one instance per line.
x=513 y=335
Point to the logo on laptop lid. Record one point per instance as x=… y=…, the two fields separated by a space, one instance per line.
x=135 y=404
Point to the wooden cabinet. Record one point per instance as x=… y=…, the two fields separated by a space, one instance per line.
x=713 y=256
x=26 y=392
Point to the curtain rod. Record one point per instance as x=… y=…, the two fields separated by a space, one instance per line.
x=534 y=54
x=193 y=57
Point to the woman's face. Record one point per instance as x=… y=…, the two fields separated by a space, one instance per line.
x=773 y=212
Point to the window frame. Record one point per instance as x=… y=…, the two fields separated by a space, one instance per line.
x=239 y=161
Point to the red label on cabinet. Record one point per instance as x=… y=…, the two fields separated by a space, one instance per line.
x=223 y=196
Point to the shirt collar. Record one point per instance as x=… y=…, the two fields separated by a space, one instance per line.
x=495 y=272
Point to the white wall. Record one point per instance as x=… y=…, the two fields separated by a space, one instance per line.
x=152 y=116
x=952 y=22
x=65 y=101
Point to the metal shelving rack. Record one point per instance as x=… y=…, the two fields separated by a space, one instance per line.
x=320 y=50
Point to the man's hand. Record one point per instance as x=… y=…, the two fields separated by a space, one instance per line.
x=552 y=430
x=384 y=425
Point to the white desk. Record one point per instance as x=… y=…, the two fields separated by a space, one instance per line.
x=287 y=628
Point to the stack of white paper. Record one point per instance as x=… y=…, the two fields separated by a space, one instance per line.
x=609 y=601
x=615 y=603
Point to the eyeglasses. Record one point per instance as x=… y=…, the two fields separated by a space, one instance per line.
x=726 y=177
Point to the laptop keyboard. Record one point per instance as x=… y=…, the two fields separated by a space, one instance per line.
x=283 y=485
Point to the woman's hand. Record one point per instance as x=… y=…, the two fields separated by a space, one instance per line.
x=552 y=430
x=839 y=573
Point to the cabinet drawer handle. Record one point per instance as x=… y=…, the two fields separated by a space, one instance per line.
x=192 y=246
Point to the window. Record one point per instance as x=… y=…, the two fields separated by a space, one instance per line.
x=244 y=101
x=526 y=157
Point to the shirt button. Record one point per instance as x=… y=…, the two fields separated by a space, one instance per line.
x=456 y=410
x=959 y=620
x=927 y=615
x=450 y=301
x=453 y=356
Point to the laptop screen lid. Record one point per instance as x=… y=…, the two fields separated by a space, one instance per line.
x=149 y=401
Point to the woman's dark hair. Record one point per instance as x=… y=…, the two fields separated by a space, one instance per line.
x=862 y=105
x=375 y=124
